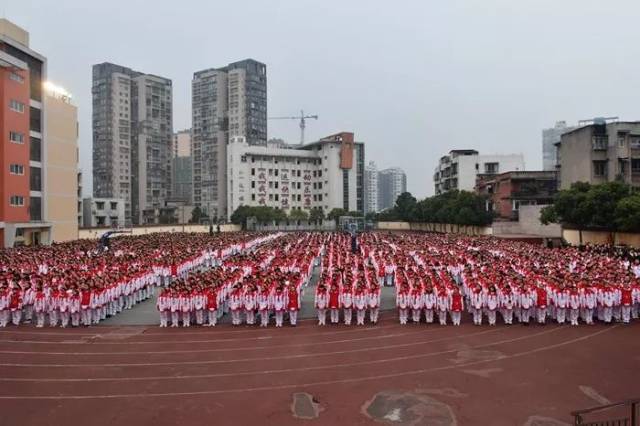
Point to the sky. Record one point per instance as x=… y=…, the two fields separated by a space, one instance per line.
x=411 y=79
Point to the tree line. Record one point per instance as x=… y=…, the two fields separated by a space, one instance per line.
x=611 y=206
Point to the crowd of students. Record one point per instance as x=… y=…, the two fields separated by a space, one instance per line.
x=81 y=283
x=264 y=282
x=255 y=277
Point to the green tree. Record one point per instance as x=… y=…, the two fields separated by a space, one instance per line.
x=405 y=203
x=355 y=213
x=336 y=213
x=196 y=215
x=316 y=214
x=296 y=214
x=239 y=216
x=627 y=214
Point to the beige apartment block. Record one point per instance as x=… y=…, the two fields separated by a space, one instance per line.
x=61 y=164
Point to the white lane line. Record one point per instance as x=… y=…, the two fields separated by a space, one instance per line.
x=170 y=332
x=253 y=347
x=285 y=370
x=310 y=384
x=258 y=359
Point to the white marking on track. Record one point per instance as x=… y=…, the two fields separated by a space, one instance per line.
x=593 y=394
x=228 y=361
x=253 y=347
x=310 y=384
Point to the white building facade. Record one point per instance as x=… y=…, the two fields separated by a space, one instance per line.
x=371 y=188
x=391 y=183
x=326 y=174
x=458 y=170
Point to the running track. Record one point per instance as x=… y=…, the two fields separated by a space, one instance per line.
x=246 y=376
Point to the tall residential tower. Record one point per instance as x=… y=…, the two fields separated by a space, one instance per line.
x=226 y=102
x=132 y=139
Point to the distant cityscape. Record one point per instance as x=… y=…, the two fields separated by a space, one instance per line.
x=145 y=173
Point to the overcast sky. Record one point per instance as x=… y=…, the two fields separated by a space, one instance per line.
x=412 y=79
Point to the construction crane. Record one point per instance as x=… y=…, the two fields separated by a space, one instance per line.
x=303 y=123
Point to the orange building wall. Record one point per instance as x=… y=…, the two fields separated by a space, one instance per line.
x=13 y=153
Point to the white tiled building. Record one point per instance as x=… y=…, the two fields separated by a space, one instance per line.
x=327 y=174
x=459 y=169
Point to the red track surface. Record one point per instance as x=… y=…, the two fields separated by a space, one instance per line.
x=149 y=376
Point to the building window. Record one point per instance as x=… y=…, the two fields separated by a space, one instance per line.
x=277 y=197
x=16 y=201
x=16 y=106
x=635 y=165
x=114 y=205
x=276 y=184
x=599 y=143
x=16 y=77
x=253 y=197
x=253 y=184
x=253 y=172
x=319 y=197
x=16 y=169
x=276 y=172
x=35 y=178
x=35 y=208
x=16 y=137
x=600 y=168
x=491 y=168
x=35 y=120
x=100 y=205
x=345 y=190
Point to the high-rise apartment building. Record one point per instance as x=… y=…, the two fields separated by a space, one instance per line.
x=132 y=139
x=550 y=137
x=391 y=183
x=226 y=102
x=23 y=156
x=371 y=188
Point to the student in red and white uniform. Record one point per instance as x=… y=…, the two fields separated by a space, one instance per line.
x=561 y=302
x=198 y=300
x=526 y=299
x=430 y=303
x=174 y=306
x=321 y=302
x=346 y=299
x=164 y=306
x=443 y=302
x=361 y=303
x=491 y=302
x=279 y=304
x=507 y=303
x=403 y=301
x=457 y=306
x=374 y=302
x=212 y=300
x=186 y=306
x=334 y=303
x=417 y=302
x=40 y=306
x=4 y=306
x=626 y=301
x=85 y=305
x=63 y=305
x=293 y=303
x=235 y=304
x=74 y=307
x=477 y=297
x=542 y=302
x=574 y=305
x=250 y=302
x=588 y=303
x=53 y=308
x=264 y=304
x=15 y=305
x=608 y=300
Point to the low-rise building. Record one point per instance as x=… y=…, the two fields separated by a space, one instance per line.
x=458 y=169
x=103 y=212
x=326 y=174
x=507 y=192
x=600 y=152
